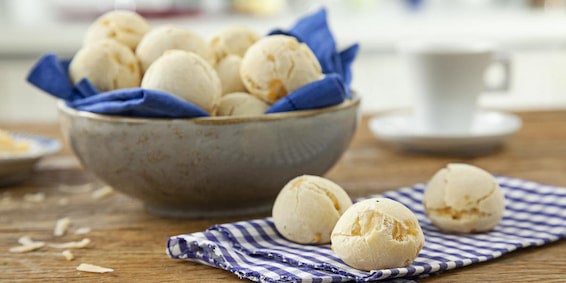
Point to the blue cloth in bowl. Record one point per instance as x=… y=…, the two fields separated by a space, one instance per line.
x=51 y=75
x=323 y=93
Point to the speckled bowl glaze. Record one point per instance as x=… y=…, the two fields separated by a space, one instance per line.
x=209 y=167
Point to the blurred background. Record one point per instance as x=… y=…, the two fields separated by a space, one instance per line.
x=532 y=31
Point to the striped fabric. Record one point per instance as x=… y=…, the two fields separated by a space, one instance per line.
x=535 y=215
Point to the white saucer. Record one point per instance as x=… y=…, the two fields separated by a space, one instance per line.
x=489 y=130
x=15 y=168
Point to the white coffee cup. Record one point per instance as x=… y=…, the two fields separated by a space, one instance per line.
x=445 y=78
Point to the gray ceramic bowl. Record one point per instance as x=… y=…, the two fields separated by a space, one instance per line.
x=207 y=167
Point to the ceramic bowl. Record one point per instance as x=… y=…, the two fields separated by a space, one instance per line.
x=209 y=167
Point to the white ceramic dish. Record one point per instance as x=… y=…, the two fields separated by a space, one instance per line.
x=207 y=167
x=489 y=130
x=15 y=168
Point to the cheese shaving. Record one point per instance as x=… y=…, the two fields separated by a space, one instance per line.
x=86 y=267
x=61 y=227
x=27 y=241
x=37 y=197
x=80 y=189
x=27 y=245
x=63 y=201
x=72 y=245
x=82 y=231
x=102 y=192
x=68 y=255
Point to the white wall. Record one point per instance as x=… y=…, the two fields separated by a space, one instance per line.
x=536 y=40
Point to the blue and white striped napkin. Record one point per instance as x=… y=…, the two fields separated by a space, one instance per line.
x=535 y=215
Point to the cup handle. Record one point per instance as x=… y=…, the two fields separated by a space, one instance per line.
x=504 y=60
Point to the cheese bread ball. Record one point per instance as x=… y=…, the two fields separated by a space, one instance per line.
x=164 y=38
x=463 y=198
x=233 y=40
x=126 y=27
x=276 y=65
x=377 y=233
x=307 y=208
x=107 y=64
x=241 y=104
x=187 y=76
x=228 y=70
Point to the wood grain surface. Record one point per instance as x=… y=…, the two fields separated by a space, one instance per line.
x=132 y=242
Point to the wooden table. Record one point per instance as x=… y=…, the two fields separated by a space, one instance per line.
x=126 y=238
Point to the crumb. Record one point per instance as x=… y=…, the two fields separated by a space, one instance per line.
x=27 y=245
x=27 y=248
x=82 y=231
x=85 y=188
x=27 y=241
x=72 y=245
x=6 y=201
x=93 y=268
x=63 y=201
x=68 y=255
x=37 y=197
x=102 y=192
x=61 y=227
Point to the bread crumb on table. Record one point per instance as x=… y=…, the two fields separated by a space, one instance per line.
x=86 y=267
x=102 y=192
x=68 y=255
x=63 y=201
x=27 y=240
x=6 y=201
x=37 y=197
x=72 y=245
x=26 y=248
x=80 y=189
x=61 y=226
x=26 y=245
x=82 y=231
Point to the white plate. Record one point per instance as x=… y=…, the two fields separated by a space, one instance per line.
x=489 y=130
x=15 y=168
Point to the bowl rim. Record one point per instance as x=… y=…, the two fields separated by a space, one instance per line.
x=347 y=103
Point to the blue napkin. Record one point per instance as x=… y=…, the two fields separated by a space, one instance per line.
x=51 y=75
x=535 y=215
x=323 y=93
x=313 y=30
x=138 y=102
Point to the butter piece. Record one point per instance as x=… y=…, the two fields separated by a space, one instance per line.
x=9 y=145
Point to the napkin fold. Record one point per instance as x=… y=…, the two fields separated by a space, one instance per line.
x=51 y=75
x=323 y=93
x=138 y=102
x=535 y=215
